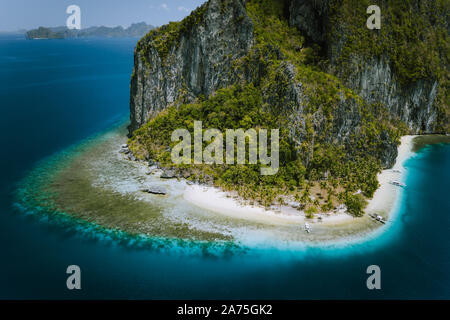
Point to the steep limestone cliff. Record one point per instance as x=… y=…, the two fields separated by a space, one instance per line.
x=369 y=68
x=179 y=62
x=183 y=60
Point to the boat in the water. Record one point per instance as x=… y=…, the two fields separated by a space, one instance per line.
x=398 y=183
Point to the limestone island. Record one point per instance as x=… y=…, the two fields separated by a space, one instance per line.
x=351 y=105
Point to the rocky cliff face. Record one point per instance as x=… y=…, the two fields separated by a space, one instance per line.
x=180 y=62
x=198 y=62
x=371 y=76
x=413 y=103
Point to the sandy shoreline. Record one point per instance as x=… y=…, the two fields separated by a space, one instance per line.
x=220 y=202
x=102 y=186
x=385 y=197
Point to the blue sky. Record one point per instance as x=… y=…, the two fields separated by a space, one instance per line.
x=29 y=14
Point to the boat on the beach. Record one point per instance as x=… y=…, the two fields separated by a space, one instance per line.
x=378 y=218
x=307 y=227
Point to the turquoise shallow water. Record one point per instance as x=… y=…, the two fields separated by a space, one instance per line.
x=55 y=93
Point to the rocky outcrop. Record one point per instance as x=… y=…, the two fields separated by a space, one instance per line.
x=414 y=103
x=168 y=174
x=155 y=190
x=373 y=78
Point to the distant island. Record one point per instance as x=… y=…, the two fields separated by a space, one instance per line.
x=135 y=30
x=20 y=31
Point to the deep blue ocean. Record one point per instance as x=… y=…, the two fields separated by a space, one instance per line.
x=55 y=93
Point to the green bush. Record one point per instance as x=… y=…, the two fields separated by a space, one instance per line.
x=356 y=204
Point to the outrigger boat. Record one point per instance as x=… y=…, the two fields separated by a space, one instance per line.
x=398 y=184
x=307 y=227
x=378 y=218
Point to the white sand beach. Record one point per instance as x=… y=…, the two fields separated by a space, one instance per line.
x=220 y=202
x=104 y=176
x=386 y=194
